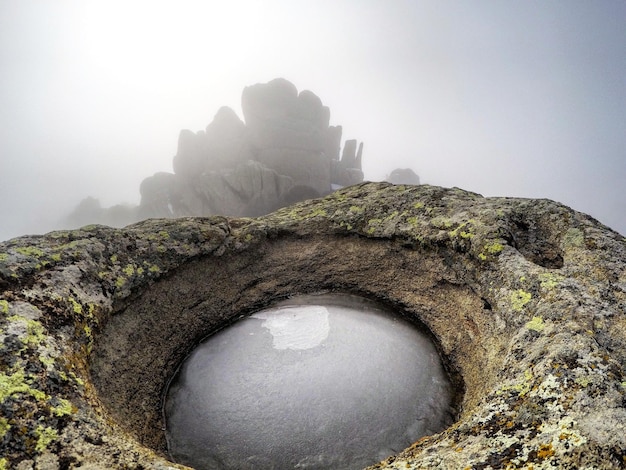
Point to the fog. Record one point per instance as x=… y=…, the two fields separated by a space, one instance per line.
x=524 y=99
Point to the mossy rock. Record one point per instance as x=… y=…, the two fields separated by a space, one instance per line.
x=526 y=300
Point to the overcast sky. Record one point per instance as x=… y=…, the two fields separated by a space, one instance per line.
x=504 y=98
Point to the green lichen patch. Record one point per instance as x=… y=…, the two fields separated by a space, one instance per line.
x=30 y=251
x=536 y=324
x=33 y=380
x=4 y=427
x=549 y=281
x=45 y=435
x=519 y=299
x=573 y=238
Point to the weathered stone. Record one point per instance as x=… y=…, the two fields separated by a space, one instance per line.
x=227 y=144
x=190 y=156
x=525 y=298
x=158 y=195
x=332 y=142
x=347 y=171
x=403 y=176
x=304 y=167
x=119 y=215
x=248 y=190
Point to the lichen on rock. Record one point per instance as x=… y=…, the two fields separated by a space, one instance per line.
x=525 y=298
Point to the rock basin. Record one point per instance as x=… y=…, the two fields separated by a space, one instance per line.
x=316 y=382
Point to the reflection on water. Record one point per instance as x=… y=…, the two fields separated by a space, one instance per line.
x=316 y=382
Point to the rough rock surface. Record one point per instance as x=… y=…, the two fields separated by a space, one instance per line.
x=525 y=298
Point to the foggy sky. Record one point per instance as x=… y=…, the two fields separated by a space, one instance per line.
x=504 y=98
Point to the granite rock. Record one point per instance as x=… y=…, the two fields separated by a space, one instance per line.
x=285 y=131
x=526 y=299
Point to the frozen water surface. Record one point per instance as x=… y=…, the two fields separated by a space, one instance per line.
x=315 y=382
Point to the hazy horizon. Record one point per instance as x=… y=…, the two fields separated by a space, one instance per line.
x=519 y=99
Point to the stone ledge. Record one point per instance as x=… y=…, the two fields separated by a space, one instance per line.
x=525 y=298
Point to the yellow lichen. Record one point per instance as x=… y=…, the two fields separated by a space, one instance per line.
x=490 y=249
x=76 y=307
x=356 y=209
x=316 y=213
x=29 y=251
x=4 y=427
x=549 y=280
x=573 y=238
x=493 y=248
x=34 y=330
x=536 y=324
x=45 y=436
x=64 y=408
x=16 y=383
x=4 y=463
x=464 y=230
x=519 y=299
x=4 y=306
x=441 y=223
x=129 y=270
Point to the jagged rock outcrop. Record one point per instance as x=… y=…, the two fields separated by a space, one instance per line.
x=285 y=147
x=526 y=299
x=284 y=152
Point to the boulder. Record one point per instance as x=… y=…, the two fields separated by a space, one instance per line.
x=403 y=176
x=526 y=299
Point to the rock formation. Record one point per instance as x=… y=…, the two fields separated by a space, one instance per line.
x=526 y=299
x=285 y=149
x=285 y=152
